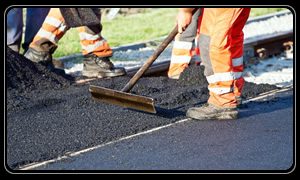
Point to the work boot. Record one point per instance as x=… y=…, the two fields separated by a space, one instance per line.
x=101 y=67
x=15 y=48
x=211 y=112
x=44 y=58
x=38 y=56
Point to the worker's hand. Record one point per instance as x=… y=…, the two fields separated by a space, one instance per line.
x=184 y=18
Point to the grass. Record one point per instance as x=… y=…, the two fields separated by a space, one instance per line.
x=261 y=11
x=134 y=28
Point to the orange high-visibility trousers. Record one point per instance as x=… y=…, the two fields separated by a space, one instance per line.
x=54 y=27
x=221 y=46
x=184 y=48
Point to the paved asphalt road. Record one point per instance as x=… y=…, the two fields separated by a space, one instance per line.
x=262 y=140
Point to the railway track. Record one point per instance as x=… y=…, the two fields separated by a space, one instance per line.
x=254 y=51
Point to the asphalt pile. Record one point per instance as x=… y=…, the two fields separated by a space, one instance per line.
x=49 y=115
x=24 y=75
x=191 y=88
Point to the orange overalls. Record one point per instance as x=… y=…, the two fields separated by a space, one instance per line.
x=54 y=27
x=221 y=42
x=184 y=48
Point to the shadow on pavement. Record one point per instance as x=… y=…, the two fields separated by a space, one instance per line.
x=275 y=104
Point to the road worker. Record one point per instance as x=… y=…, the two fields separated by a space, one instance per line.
x=184 y=48
x=220 y=41
x=95 y=48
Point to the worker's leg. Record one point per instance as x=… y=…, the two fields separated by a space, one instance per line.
x=91 y=40
x=221 y=66
x=237 y=50
x=183 y=48
x=45 y=42
x=34 y=20
x=97 y=52
x=14 y=28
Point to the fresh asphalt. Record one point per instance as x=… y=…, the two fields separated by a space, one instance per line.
x=261 y=140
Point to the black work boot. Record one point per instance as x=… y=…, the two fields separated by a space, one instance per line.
x=211 y=112
x=15 y=48
x=101 y=67
x=38 y=56
x=45 y=58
